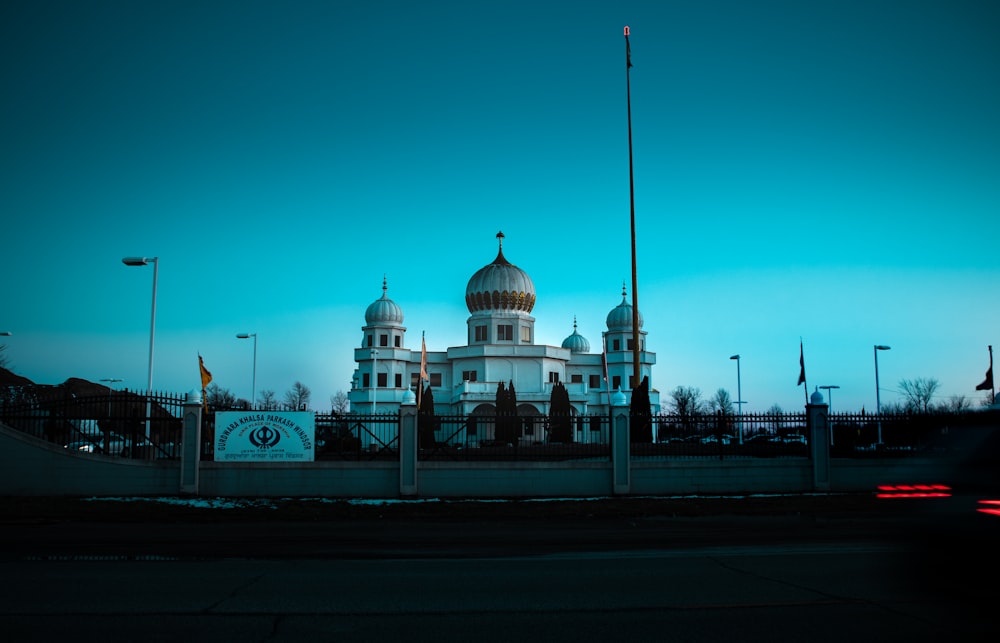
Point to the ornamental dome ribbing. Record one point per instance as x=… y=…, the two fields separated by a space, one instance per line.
x=500 y=286
x=576 y=342
x=620 y=317
x=383 y=310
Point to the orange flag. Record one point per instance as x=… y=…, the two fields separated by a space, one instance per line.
x=206 y=377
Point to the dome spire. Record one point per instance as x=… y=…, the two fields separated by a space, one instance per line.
x=384 y=287
x=500 y=258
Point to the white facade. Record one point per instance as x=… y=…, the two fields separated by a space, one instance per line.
x=500 y=348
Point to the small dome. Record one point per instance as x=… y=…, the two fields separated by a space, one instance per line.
x=816 y=397
x=620 y=317
x=409 y=397
x=576 y=342
x=384 y=310
x=500 y=286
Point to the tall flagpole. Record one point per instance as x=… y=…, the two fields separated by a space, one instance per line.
x=631 y=192
x=993 y=393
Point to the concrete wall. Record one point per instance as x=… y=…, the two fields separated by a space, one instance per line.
x=33 y=467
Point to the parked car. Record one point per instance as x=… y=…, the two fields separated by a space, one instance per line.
x=116 y=445
x=794 y=439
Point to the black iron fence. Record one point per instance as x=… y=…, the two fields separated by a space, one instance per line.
x=119 y=423
x=492 y=438
x=136 y=425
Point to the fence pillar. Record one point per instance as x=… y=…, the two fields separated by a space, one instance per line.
x=191 y=443
x=621 y=457
x=819 y=441
x=408 y=449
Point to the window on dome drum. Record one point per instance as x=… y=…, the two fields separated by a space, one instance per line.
x=553 y=377
x=397 y=341
x=414 y=379
x=383 y=379
x=480 y=333
x=505 y=332
x=468 y=376
x=631 y=382
x=616 y=344
x=616 y=381
x=366 y=380
x=595 y=381
x=369 y=341
x=576 y=378
x=383 y=340
x=629 y=344
x=435 y=379
x=525 y=334
x=399 y=380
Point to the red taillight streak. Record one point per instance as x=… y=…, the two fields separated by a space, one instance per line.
x=938 y=494
x=914 y=487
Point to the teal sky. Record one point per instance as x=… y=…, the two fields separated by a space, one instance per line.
x=825 y=170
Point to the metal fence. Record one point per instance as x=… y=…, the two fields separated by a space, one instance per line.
x=489 y=438
x=136 y=425
x=119 y=423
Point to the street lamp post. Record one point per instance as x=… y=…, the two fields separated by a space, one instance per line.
x=829 y=395
x=374 y=378
x=878 y=399
x=6 y=333
x=739 y=398
x=111 y=387
x=144 y=261
x=253 y=393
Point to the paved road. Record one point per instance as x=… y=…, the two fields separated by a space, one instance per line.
x=607 y=571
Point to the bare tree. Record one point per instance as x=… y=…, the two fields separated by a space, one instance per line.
x=686 y=401
x=919 y=393
x=721 y=401
x=219 y=398
x=957 y=404
x=267 y=400
x=340 y=403
x=298 y=397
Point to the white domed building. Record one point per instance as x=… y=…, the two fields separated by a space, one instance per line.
x=501 y=348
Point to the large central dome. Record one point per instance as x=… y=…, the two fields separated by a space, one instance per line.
x=500 y=286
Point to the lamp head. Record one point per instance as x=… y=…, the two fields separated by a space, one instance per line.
x=137 y=261
x=880 y=347
x=735 y=357
x=245 y=335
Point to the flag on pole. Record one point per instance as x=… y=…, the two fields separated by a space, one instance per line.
x=423 y=360
x=206 y=377
x=987 y=384
x=802 y=365
x=423 y=371
x=628 y=51
x=604 y=360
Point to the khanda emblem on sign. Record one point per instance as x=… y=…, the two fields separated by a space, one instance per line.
x=265 y=437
